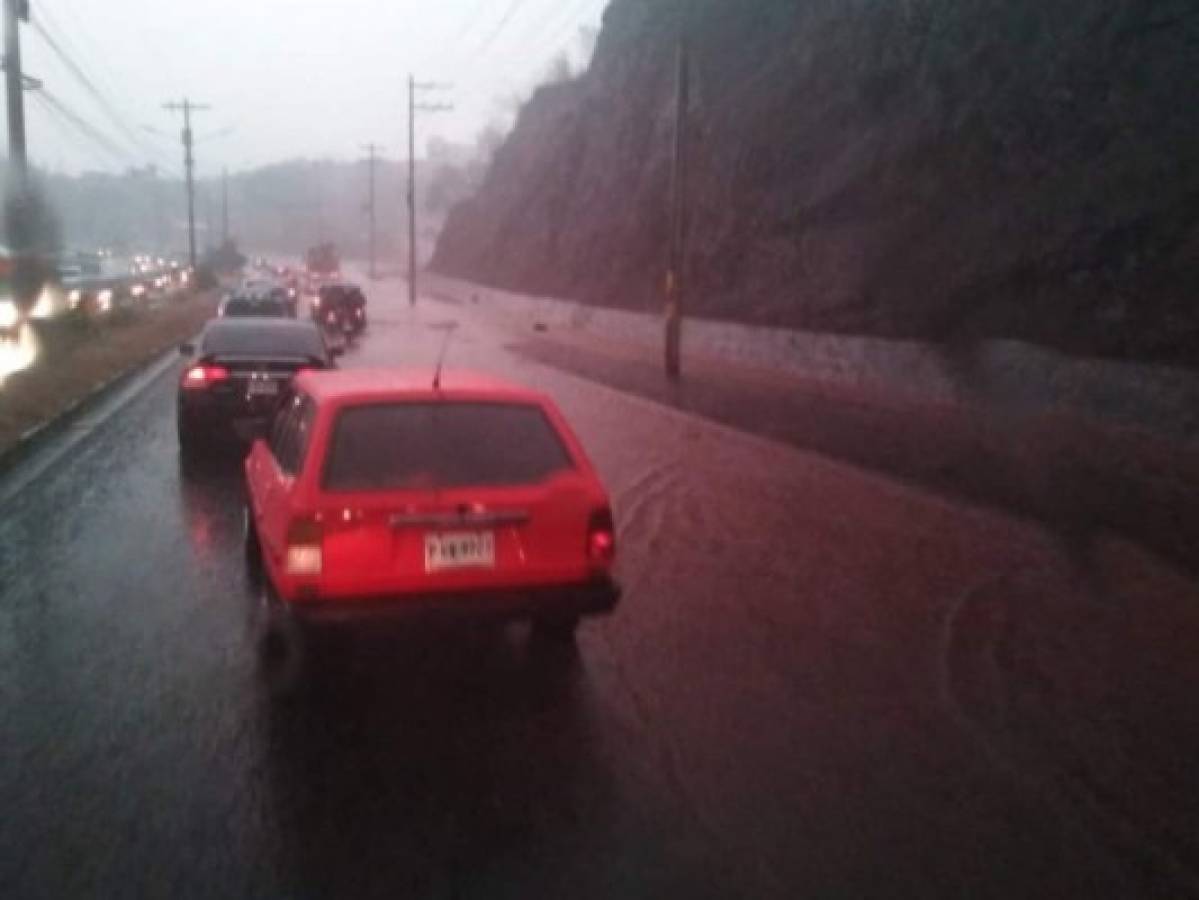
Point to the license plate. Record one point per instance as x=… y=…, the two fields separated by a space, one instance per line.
x=264 y=388
x=459 y=550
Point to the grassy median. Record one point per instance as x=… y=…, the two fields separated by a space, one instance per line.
x=77 y=355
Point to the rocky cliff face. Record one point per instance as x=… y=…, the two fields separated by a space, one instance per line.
x=944 y=169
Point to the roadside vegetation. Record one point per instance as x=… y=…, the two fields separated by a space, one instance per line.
x=78 y=353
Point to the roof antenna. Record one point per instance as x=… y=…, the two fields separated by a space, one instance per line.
x=450 y=328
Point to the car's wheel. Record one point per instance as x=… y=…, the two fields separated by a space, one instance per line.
x=559 y=630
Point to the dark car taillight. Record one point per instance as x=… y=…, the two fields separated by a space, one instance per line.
x=601 y=539
x=199 y=377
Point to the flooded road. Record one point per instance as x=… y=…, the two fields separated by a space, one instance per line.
x=820 y=682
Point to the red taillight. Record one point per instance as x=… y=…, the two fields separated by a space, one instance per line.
x=304 y=554
x=203 y=376
x=601 y=538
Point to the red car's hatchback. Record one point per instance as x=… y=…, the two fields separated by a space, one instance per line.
x=378 y=495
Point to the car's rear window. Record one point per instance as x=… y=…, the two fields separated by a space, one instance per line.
x=246 y=307
x=443 y=444
x=268 y=338
x=341 y=295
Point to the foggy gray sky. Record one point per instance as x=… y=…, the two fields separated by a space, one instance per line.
x=293 y=78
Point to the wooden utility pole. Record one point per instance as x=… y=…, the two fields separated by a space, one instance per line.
x=413 y=109
x=187 y=107
x=678 y=214
x=372 y=158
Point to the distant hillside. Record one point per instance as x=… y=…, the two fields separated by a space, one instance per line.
x=934 y=168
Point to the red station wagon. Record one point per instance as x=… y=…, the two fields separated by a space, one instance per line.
x=379 y=495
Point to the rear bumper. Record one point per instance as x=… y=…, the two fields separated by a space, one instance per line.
x=592 y=598
x=222 y=421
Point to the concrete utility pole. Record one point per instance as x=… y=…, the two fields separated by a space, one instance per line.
x=187 y=107
x=14 y=11
x=413 y=108
x=372 y=149
x=225 y=206
x=678 y=214
x=19 y=212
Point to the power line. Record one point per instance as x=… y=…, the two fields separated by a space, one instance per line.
x=556 y=25
x=67 y=38
x=568 y=27
x=52 y=103
x=89 y=85
x=470 y=19
x=512 y=8
x=453 y=40
x=559 y=30
x=79 y=136
x=66 y=131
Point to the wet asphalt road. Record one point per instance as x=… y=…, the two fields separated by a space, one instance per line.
x=820 y=683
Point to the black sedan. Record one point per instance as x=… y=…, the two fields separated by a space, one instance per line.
x=235 y=374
